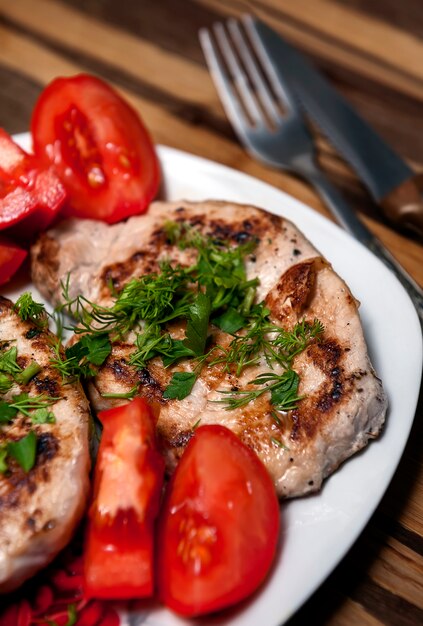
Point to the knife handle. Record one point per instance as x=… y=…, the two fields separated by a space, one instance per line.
x=404 y=206
x=352 y=224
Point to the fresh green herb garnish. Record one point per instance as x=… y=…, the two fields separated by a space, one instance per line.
x=11 y=371
x=72 y=615
x=3 y=457
x=24 y=450
x=125 y=396
x=283 y=391
x=230 y=321
x=90 y=350
x=43 y=416
x=23 y=403
x=28 y=309
x=279 y=443
x=6 y=383
x=8 y=364
x=198 y=324
x=29 y=372
x=180 y=386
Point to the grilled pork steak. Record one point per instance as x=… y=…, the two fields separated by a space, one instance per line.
x=344 y=404
x=40 y=509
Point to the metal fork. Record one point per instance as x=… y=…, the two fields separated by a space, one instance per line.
x=269 y=123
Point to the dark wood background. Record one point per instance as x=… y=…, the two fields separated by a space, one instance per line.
x=373 y=52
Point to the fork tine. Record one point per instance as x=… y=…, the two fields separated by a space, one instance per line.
x=253 y=70
x=238 y=75
x=267 y=63
x=229 y=98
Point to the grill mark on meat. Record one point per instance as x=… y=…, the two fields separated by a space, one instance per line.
x=47 y=385
x=316 y=409
x=117 y=274
x=150 y=387
x=289 y=297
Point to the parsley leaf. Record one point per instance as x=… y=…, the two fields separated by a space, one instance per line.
x=8 y=363
x=42 y=416
x=7 y=412
x=5 y=383
x=89 y=350
x=198 y=323
x=177 y=350
x=230 y=321
x=180 y=386
x=24 y=450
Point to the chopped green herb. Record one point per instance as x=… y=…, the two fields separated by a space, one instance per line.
x=177 y=350
x=29 y=372
x=8 y=364
x=180 y=386
x=72 y=615
x=28 y=309
x=283 y=391
x=7 y=412
x=88 y=351
x=6 y=383
x=230 y=321
x=24 y=450
x=24 y=403
x=43 y=416
x=279 y=443
x=125 y=396
x=3 y=456
x=198 y=323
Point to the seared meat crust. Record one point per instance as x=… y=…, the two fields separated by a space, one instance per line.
x=344 y=404
x=39 y=510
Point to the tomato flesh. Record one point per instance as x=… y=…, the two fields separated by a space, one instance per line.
x=30 y=195
x=11 y=258
x=119 y=555
x=219 y=529
x=98 y=146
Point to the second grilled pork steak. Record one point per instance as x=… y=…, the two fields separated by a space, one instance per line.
x=344 y=404
x=40 y=508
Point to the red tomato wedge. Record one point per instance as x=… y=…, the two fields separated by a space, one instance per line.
x=219 y=528
x=119 y=561
x=11 y=258
x=30 y=195
x=99 y=147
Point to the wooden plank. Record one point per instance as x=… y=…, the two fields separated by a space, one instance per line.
x=398 y=569
x=113 y=46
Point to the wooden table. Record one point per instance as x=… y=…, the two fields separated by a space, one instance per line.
x=149 y=50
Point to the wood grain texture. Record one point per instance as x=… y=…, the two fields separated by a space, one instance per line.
x=372 y=50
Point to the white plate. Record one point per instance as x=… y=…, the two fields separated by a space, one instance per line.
x=318 y=530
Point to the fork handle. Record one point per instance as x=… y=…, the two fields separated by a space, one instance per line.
x=348 y=219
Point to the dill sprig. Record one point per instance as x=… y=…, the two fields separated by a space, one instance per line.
x=28 y=309
x=283 y=390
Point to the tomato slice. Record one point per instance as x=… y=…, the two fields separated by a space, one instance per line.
x=99 y=147
x=30 y=195
x=219 y=528
x=127 y=488
x=11 y=258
